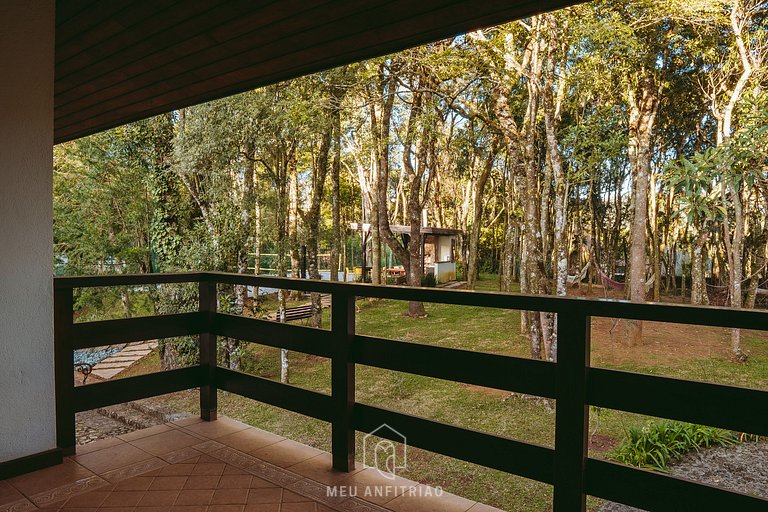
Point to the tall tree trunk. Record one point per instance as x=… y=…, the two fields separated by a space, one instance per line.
x=734 y=243
x=247 y=205
x=698 y=281
x=552 y=104
x=734 y=238
x=312 y=221
x=381 y=130
x=257 y=223
x=281 y=219
x=293 y=225
x=420 y=129
x=477 y=218
x=336 y=232
x=643 y=109
x=756 y=264
x=511 y=242
x=655 y=230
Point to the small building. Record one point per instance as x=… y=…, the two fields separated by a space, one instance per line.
x=438 y=250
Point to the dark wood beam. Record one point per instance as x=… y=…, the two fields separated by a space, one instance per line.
x=118 y=62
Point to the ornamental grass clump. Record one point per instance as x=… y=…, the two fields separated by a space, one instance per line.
x=656 y=444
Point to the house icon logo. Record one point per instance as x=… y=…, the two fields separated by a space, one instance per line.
x=381 y=451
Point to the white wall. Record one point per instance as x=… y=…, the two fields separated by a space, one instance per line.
x=27 y=420
x=444 y=248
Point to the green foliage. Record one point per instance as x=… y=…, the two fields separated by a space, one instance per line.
x=692 y=180
x=654 y=445
x=461 y=271
x=396 y=280
x=103 y=208
x=428 y=281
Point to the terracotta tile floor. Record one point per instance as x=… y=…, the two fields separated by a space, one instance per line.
x=220 y=466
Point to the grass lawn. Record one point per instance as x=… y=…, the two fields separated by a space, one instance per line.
x=699 y=354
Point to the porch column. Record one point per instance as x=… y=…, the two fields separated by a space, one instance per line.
x=27 y=420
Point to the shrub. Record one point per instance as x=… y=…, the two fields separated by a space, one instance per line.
x=460 y=273
x=428 y=281
x=656 y=444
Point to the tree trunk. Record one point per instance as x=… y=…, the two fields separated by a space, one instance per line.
x=511 y=242
x=698 y=281
x=293 y=225
x=734 y=244
x=281 y=218
x=643 y=108
x=551 y=124
x=477 y=217
x=336 y=232
x=655 y=241
x=757 y=263
x=734 y=240
x=312 y=221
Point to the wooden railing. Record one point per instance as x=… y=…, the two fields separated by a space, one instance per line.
x=571 y=381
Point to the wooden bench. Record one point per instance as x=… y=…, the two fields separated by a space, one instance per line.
x=300 y=312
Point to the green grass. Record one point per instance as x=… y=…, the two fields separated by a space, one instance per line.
x=511 y=415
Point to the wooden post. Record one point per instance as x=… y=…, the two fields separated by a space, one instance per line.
x=208 y=360
x=64 y=369
x=342 y=381
x=572 y=420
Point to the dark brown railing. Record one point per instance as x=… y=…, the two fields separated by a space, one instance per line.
x=571 y=381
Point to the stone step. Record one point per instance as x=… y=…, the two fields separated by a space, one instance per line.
x=158 y=409
x=150 y=345
x=134 y=353
x=108 y=366
x=107 y=374
x=122 y=359
x=125 y=357
x=131 y=416
x=140 y=350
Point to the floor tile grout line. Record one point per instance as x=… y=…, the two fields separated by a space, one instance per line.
x=283 y=478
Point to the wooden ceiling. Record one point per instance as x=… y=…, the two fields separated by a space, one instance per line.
x=119 y=61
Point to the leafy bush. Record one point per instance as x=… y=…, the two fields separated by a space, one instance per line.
x=396 y=280
x=428 y=281
x=656 y=444
x=460 y=271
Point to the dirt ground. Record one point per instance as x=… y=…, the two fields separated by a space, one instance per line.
x=662 y=342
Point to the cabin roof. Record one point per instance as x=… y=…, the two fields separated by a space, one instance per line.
x=426 y=230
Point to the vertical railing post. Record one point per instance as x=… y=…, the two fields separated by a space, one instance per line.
x=208 y=356
x=63 y=369
x=572 y=420
x=342 y=381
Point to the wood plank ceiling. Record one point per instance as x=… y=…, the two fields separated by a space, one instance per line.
x=119 y=61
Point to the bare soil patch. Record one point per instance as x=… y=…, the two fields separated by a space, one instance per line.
x=662 y=343
x=600 y=443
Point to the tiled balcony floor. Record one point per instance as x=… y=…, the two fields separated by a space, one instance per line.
x=220 y=466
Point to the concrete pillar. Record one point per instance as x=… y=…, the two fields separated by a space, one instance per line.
x=27 y=419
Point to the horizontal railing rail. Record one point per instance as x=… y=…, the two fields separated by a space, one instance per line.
x=571 y=381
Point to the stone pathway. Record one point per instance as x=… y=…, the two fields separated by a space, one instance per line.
x=116 y=363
